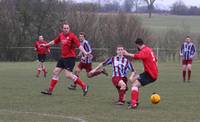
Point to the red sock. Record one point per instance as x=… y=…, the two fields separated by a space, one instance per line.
x=134 y=96
x=80 y=83
x=189 y=74
x=38 y=72
x=184 y=74
x=121 y=95
x=52 y=84
x=45 y=72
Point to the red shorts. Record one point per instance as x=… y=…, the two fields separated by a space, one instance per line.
x=87 y=67
x=116 y=79
x=186 y=62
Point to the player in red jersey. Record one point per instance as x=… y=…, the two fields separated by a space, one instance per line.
x=85 y=61
x=69 y=42
x=41 y=51
x=150 y=73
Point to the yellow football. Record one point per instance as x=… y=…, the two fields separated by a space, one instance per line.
x=155 y=98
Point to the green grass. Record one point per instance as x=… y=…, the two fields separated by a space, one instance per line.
x=159 y=23
x=21 y=101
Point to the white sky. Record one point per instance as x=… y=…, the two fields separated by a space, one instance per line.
x=164 y=2
x=187 y=2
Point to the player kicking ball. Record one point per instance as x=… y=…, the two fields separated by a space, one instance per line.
x=120 y=68
x=150 y=74
x=85 y=61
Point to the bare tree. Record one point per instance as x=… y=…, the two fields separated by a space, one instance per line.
x=136 y=4
x=127 y=5
x=150 y=6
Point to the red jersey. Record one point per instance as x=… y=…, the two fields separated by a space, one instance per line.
x=41 y=49
x=69 y=42
x=149 y=61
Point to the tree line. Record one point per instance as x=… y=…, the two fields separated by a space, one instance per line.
x=22 y=21
x=180 y=8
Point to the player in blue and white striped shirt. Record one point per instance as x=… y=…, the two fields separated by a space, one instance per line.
x=120 y=67
x=85 y=61
x=187 y=53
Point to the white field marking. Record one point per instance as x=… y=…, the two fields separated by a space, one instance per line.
x=44 y=114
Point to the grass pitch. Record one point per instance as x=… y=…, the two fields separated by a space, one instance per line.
x=160 y=23
x=21 y=101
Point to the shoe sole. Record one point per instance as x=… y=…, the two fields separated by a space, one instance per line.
x=85 y=92
x=45 y=93
x=71 y=88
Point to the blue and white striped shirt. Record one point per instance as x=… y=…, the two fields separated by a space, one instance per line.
x=88 y=49
x=187 y=50
x=120 y=66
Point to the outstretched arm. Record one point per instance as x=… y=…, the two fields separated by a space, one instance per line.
x=83 y=50
x=48 y=44
x=96 y=68
x=128 y=54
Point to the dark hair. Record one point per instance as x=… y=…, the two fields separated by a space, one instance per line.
x=119 y=45
x=65 y=23
x=187 y=36
x=82 y=33
x=139 y=41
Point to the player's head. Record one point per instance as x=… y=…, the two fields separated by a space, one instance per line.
x=120 y=50
x=188 y=39
x=82 y=36
x=66 y=28
x=139 y=43
x=41 y=38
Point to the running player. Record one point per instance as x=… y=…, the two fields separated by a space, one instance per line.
x=41 y=54
x=85 y=61
x=66 y=63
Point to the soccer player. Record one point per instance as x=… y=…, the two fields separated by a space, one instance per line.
x=150 y=73
x=187 y=53
x=120 y=68
x=85 y=61
x=68 y=42
x=41 y=51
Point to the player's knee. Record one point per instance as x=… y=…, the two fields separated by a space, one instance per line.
x=68 y=75
x=136 y=84
x=55 y=73
x=189 y=67
x=184 y=68
x=132 y=79
x=122 y=86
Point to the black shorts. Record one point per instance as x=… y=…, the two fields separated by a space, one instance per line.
x=41 y=57
x=145 y=78
x=66 y=63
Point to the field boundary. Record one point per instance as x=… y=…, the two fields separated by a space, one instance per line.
x=44 y=115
